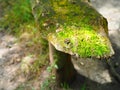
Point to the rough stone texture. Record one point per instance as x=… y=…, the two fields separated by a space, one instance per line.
x=111 y=10
x=95 y=70
x=105 y=80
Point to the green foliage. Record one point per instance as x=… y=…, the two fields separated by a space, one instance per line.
x=25 y=87
x=51 y=67
x=19 y=13
x=39 y=64
x=83 y=87
x=48 y=83
x=40 y=59
x=65 y=86
x=40 y=9
x=20 y=19
x=81 y=12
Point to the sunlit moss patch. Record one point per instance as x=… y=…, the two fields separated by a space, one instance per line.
x=83 y=41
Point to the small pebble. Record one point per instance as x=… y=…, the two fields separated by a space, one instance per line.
x=18 y=60
x=81 y=63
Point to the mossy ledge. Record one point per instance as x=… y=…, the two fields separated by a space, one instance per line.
x=82 y=41
x=78 y=29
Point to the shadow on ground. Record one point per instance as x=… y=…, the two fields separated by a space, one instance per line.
x=83 y=83
x=115 y=39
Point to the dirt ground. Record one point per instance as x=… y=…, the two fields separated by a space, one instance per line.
x=10 y=56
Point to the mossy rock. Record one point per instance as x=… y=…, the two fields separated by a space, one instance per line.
x=78 y=29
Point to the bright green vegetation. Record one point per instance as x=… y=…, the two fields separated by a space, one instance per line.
x=16 y=13
x=84 y=41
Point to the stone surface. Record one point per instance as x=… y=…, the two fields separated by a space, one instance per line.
x=111 y=10
x=95 y=70
x=105 y=80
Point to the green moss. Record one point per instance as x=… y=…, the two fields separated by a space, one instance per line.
x=79 y=31
x=82 y=41
x=78 y=12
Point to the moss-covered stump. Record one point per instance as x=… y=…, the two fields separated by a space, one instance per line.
x=74 y=27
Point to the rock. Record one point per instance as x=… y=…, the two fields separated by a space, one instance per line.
x=88 y=38
x=93 y=69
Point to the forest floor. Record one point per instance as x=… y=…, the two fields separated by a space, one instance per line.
x=93 y=77
x=12 y=57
